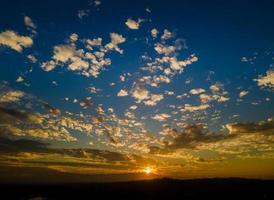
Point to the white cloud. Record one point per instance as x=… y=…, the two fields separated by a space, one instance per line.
x=19 y=79
x=140 y=93
x=132 y=24
x=154 y=32
x=243 y=93
x=161 y=117
x=73 y=37
x=153 y=99
x=162 y=49
x=167 y=35
x=94 y=42
x=62 y=53
x=192 y=108
x=29 y=23
x=197 y=91
x=267 y=80
x=216 y=87
x=122 y=93
x=115 y=40
x=48 y=65
x=15 y=41
x=32 y=58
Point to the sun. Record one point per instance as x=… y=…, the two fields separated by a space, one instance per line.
x=148 y=170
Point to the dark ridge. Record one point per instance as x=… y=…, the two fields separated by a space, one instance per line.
x=164 y=188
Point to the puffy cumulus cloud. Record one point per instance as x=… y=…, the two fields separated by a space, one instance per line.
x=139 y=92
x=19 y=79
x=32 y=58
x=192 y=108
x=62 y=53
x=216 y=87
x=266 y=80
x=161 y=117
x=166 y=35
x=48 y=65
x=243 y=93
x=155 y=80
x=153 y=99
x=197 y=91
x=206 y=98
x=14 y=41
x=166 y=50
x=116 y=39
x=94 y=42
x=264 y=127
x=89 y=61
x=11 y=96
x=122 y=93
x=73 y=37
x=31 y=26
x=132 y=24
x=154 y=32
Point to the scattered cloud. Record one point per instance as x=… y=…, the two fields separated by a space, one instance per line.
x=122 y=93
x=132 y=24
x=14 y=41
x=267 y=80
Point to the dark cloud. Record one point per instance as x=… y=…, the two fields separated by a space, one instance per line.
x=21 y=145
x=191 y=136
x=264 y=127
x=51 y=109
x=7 y=113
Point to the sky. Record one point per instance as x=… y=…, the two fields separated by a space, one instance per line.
x=102 y=90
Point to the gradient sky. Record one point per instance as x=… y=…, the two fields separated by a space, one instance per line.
x=100 y=90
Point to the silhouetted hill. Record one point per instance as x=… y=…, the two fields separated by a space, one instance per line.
x=164 y=188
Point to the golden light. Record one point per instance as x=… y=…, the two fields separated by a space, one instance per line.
x=148 y=170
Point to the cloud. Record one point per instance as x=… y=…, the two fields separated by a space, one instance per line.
x=267 y=80
x=48 y=65
x=30 y=25
x=82 y=13
x=139 y=92
x=122 y=93
x=132 y=24
x=115 y=40
x=154 y=32
x=11 y=96
x=153 y=99
x=73 y=37
x=197 y=91
x=87 y=62
x=15 y=41
x=192 y=108
x=263 y=127
x=162 y=49
x=19 y=80
x=243 y=93
x=32 y=58
x=166 y=35
x=161 y=117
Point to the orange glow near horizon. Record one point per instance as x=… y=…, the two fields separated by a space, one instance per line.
x=148 y=170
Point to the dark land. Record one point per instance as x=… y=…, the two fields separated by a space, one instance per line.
x=229 y=188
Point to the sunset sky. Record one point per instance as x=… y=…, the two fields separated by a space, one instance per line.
x=104 y=90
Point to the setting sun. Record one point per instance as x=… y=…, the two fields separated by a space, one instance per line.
x=148 y=170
